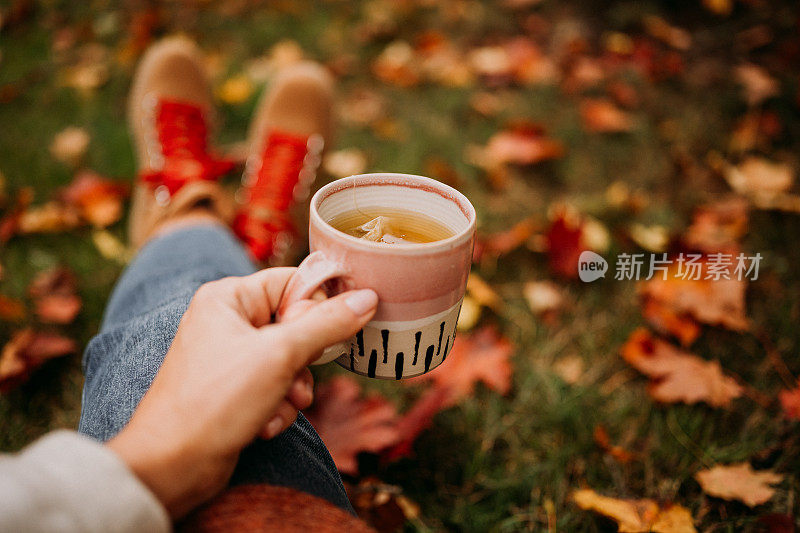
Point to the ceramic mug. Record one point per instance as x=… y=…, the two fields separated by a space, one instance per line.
x=420 y=286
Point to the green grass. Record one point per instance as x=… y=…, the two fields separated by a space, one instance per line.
x=492 y=463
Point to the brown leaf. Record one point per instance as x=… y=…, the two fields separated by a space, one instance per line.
x=11 y=309
x=602 y=116
x=677 y=376
x=97 y=199
x=739 y=482
x=759 y=177
x=26 y=351
x=714 y=302
x=69 y=145
x=382 y=506
x=480 y=356
x=349 y=424
x=522 y=144
x=756 y=82
x=637 y=516
x=55 y=296
x=718 y=227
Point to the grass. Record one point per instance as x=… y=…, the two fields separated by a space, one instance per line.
x=493 y=463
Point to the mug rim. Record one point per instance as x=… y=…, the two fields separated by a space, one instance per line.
x=438 y=187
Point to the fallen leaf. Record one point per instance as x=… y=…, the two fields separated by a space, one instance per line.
x=479 y=356
x=501 y=243
x=570 y=368
x=416 y=420
x=26 y=351
x=97 y=199
x=653 y=238
x=757 y=84
x=617 y=452
x=50 y=217
x=469 y=315
x=10 y=222
x=235 y=90
x=397 y=65
x=55 y=297
x=602 y=116
x=714 y=302
x=11 y=309
x=565 y=242
x=667 y=321
x=637 y=516
x=756 y=176
x=521 y=143
x=739 y=482
x=343 y=163
x=790 y=401
x=362 y=107
x=677 y=376
x=349 y=424
x=483 y=293
x=382 y=506
x=69 y=145
x=543 y=296
x=111 y=247
x=718 y=227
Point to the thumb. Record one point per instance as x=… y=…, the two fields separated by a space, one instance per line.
x=326 y=323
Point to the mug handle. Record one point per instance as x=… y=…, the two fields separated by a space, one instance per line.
x=311 y=274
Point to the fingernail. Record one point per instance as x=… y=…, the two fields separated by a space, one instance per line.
x=274 y=426
x=362 y=301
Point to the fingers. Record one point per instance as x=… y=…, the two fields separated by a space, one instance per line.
x=324 y=324
x=258 y=294
x=284 y=417
x=301 y=392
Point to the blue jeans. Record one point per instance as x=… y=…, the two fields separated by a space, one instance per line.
x=140 y=322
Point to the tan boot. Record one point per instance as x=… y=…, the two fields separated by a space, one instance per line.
x=292 y=125
x=170 y=113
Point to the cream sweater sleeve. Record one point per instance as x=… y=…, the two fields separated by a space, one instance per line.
x=69 y=483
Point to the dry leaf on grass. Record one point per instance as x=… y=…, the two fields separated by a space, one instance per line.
x=503 y=242
x=756 y=176
x=10 y=221
x=11 y=309
x=69 y=145
x=637 y=516
x=718 y=227
x=739 y=482
x=521 y=143
x=717 y=303
x=97 y=199
x=382 y=506
x=565 y=243
x=28 y=350
x=55 y=297
x=349 y=424
x=543 y=297
x=677 y=376
x=50 y=217
x=479 y=356
x=602 y=116
x=757 y=84
x=397 y=65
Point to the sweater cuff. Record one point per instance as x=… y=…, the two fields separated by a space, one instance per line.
x=77 y=484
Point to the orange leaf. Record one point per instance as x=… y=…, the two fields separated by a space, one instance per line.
x=790 y=401
x=739 y=482
x=714 y=302
x=522 y=143
x=677 y=376
x=26 y=351
x=480 y=356
x=98 y=199
x=637 y=516
x=602 y=116
x=349 y=424
x=11 y=309
x=54 y=293
x=718 y=227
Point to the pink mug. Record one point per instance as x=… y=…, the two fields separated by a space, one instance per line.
x=420 y=286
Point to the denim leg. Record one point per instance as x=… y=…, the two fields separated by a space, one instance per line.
x=140 y=322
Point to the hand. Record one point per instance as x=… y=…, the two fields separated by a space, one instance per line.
x=230 y=375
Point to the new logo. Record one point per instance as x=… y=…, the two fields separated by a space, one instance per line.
x=591 y=266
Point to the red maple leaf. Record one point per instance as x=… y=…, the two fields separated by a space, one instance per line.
x=564 y=240
x=790 y=401
x=479 y=356
x=350 y=424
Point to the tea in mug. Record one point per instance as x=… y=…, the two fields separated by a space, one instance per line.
x=390 y=226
